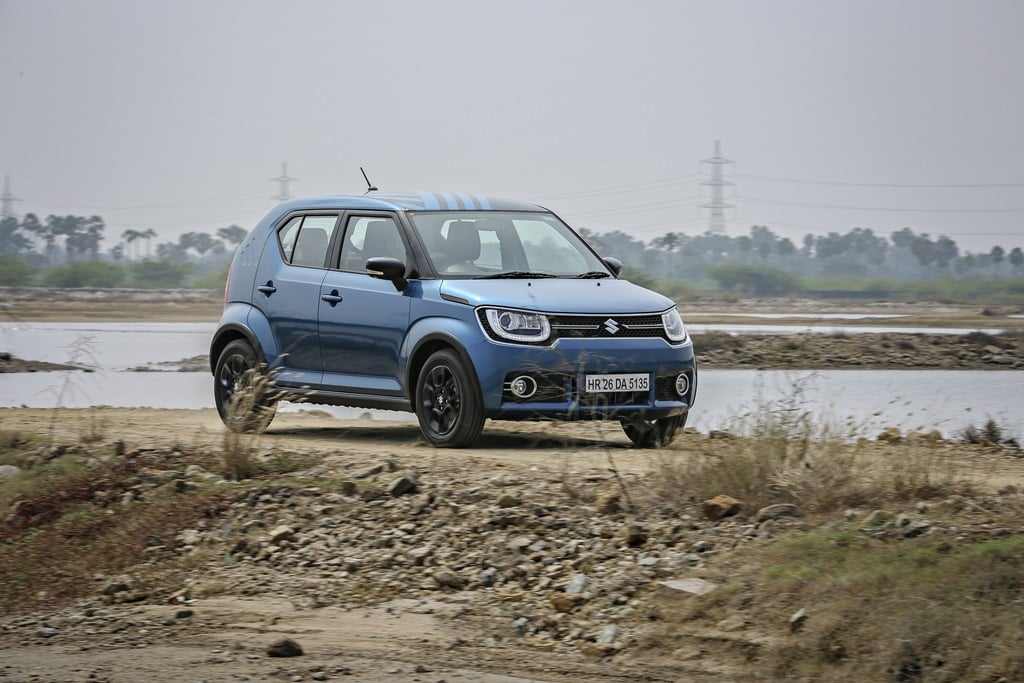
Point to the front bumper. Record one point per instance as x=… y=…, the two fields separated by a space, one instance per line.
x=559 y=373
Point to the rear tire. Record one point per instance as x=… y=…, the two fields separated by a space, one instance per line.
x=448 y=402
x=654 y=433
x=242 y=389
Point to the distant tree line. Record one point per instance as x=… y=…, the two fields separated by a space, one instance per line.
x=763 y=262
x=65 y=251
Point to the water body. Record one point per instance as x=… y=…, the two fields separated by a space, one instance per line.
x=857 y=401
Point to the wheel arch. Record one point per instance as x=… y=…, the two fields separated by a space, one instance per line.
x=425 y=348
x=229 y=333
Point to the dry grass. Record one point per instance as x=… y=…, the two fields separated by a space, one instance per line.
x=69 y=522
x=924 y=609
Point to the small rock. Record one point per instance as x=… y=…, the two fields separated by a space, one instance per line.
x=449 y=579
x=403 y=485
x=487 y=577
x=692 y=586
x=47 y=632
x=609 y=634
x=799 y=618
x=915 y=529
x=566 y=602
x=720 y=506
x=577 y=583
x=286 y=647
x=281 y=533
x=520 y=626
x=634 y=535
x=703 y=546
x=8 y=472
x=508 y=501
x=877 y=518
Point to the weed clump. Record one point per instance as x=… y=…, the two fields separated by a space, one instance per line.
x=989 y=433
x=781 y=453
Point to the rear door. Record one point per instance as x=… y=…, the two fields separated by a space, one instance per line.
x=288 y=293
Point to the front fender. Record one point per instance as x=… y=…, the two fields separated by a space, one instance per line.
x=427 y=335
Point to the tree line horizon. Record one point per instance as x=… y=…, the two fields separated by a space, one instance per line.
x=66 y=251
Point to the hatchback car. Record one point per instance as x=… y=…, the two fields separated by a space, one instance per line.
x=455 y=307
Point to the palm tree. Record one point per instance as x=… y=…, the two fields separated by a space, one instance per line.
x=148 y=235
x=131 y=237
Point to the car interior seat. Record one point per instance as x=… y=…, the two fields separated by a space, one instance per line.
x=463 y=247
x=310 y=247
x=382 y=240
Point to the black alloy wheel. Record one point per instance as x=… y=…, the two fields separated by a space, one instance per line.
x=241 y=389
x=448 y=403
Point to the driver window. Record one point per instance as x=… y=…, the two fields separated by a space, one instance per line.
x=370 y=236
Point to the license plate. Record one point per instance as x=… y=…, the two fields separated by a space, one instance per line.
x=639 y=381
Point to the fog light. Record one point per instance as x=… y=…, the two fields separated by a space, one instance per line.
x=523 y=386
x=682 y=384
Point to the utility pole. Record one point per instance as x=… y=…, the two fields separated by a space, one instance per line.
x=718 y=183
x=282 y=181
x=7 y=200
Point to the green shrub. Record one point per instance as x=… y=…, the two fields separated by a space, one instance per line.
x=162 y=273
x=14 y=272
x=754 y=280
x=86 y=274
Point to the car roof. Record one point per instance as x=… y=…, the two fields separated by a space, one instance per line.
x=409 y=201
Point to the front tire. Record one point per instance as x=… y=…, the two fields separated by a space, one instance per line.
x=448 y=402
x=654 y=433
x=241 y=389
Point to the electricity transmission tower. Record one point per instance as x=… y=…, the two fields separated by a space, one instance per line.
x=7 y=199
x=717 y=183
x=282 y=181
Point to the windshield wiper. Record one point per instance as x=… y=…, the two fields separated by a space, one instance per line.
x=593 y=275
x=513 y=275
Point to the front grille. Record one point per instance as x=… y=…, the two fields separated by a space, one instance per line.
x=606 y=326
x=591 y=327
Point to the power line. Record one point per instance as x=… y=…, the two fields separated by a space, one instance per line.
x=773 y=202
x=618 y=189
x=804 y=181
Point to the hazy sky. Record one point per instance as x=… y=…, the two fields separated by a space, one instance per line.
x=176 y=115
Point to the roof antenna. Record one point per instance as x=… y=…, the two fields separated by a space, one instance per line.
x=369 y=186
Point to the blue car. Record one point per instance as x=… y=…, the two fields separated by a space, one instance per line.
x=452 y=306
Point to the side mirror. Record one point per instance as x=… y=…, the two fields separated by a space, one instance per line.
x=388 y=268
x=614 y=264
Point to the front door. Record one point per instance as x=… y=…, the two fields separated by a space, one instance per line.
x=363 y=319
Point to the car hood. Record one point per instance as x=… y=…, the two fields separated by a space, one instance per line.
x=559 y=295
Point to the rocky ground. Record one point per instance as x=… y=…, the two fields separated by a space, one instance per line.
x=539 y=556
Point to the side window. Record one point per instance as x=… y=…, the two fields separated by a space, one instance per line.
x=369 y=236
x=287 y=236
x=305 y=240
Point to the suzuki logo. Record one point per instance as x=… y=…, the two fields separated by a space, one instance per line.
x=611 y=326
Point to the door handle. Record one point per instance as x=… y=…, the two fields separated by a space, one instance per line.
x=267 y=289
x=333 y=298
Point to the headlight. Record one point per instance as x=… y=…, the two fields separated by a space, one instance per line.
x=674 y=327
x=518 y=325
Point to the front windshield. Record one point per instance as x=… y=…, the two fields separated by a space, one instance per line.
x=489 y=244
